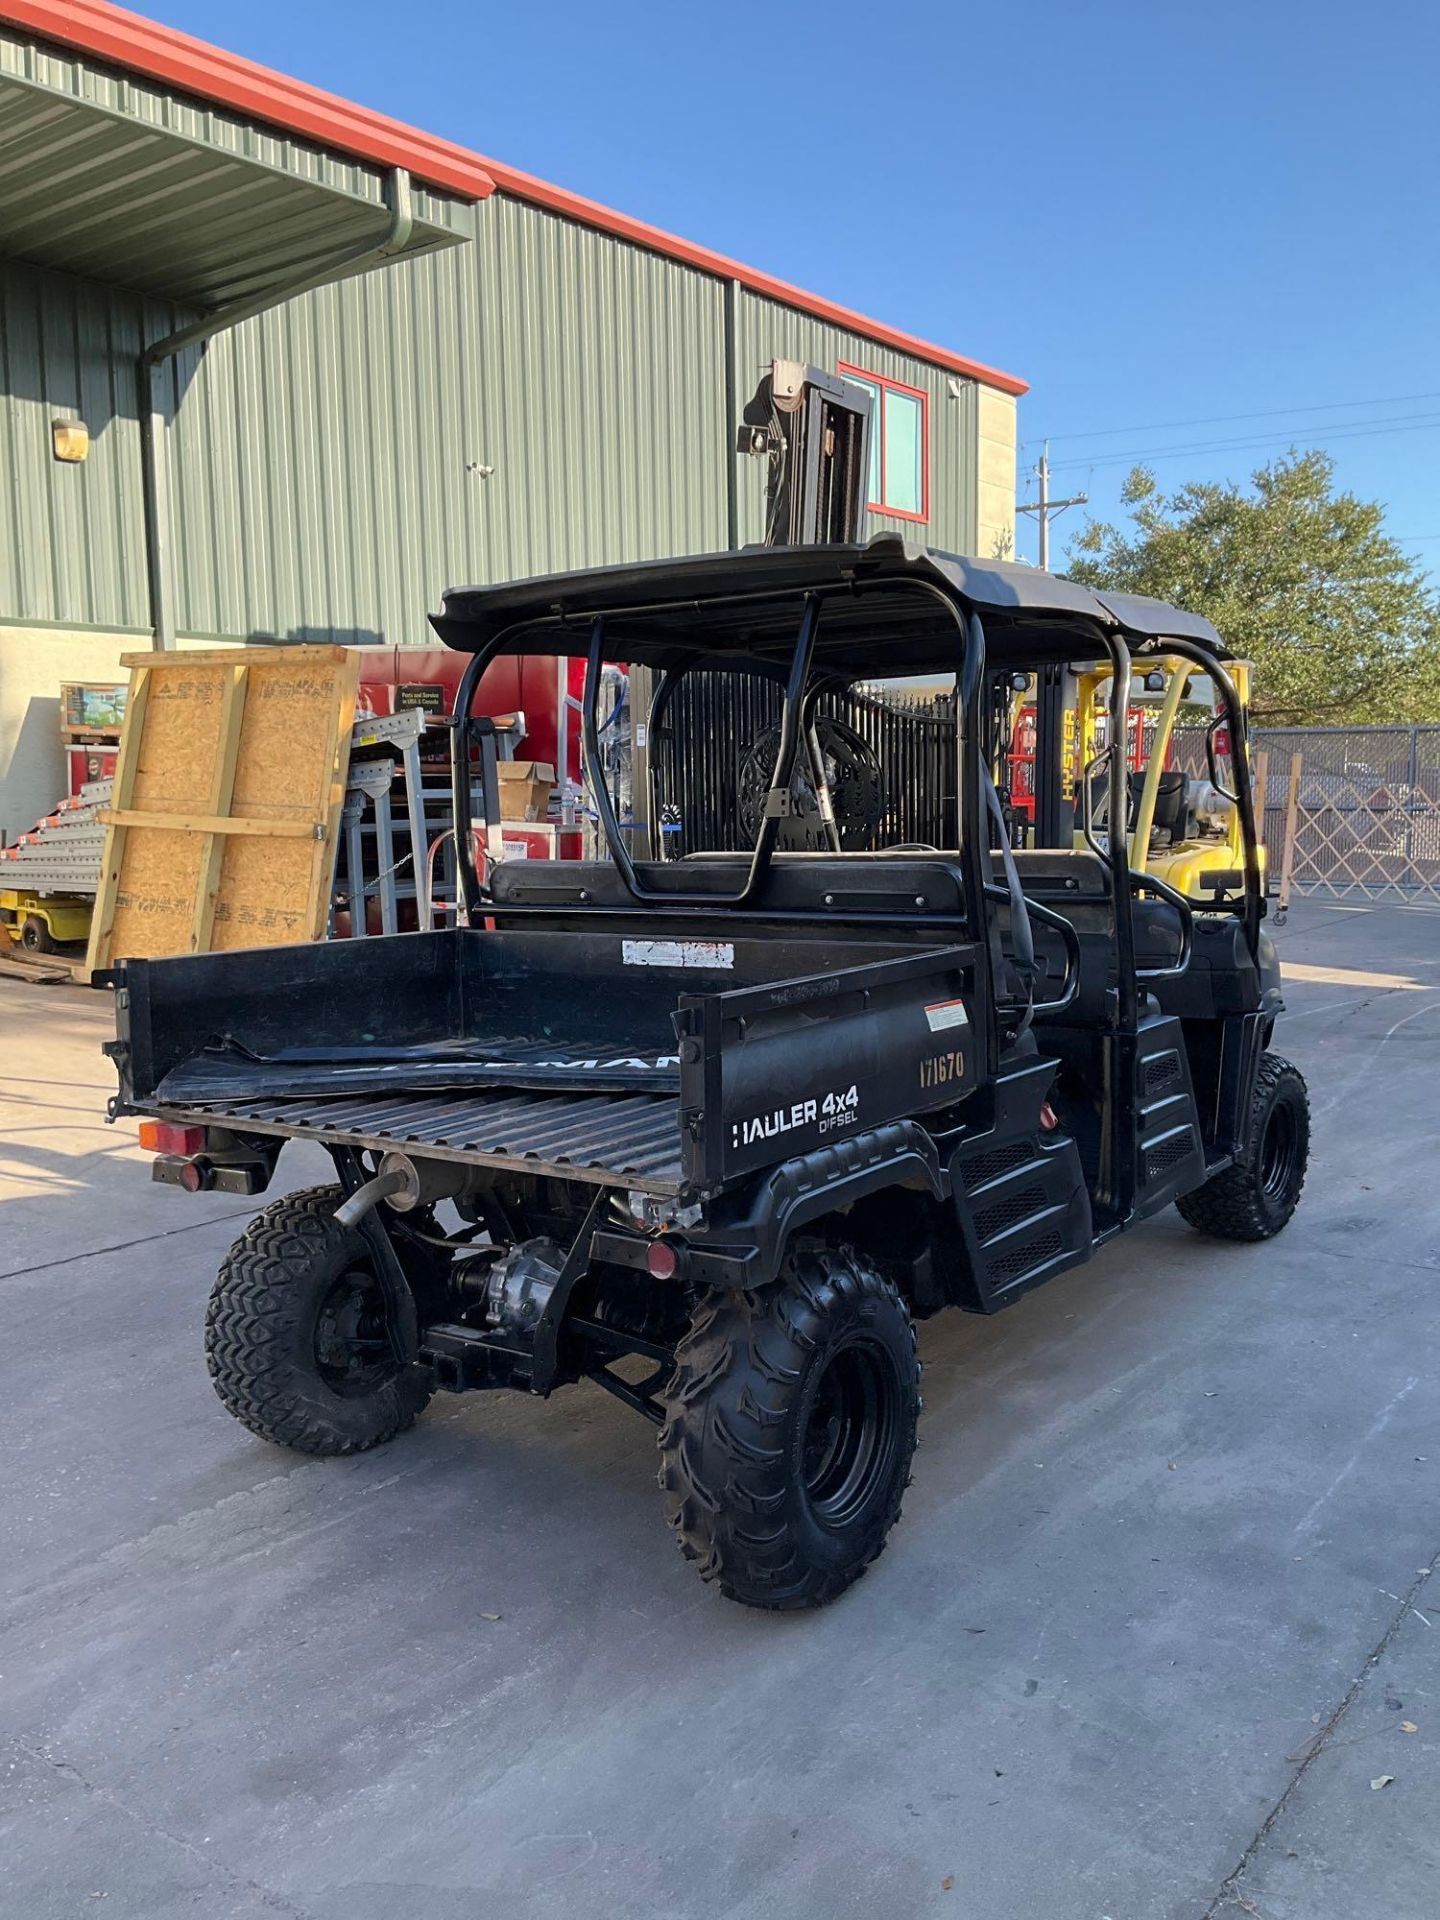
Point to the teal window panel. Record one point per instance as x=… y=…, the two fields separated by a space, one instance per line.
x=899 y=445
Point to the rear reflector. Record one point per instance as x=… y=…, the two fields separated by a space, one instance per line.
x=163 y=1136
x=662 y=1259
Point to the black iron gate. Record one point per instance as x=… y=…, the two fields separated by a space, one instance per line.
x=715 y=720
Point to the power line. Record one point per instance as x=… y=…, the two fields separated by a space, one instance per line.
x=1045 y=509
x=1268 y=413
x=1404 y=423
x=1343 y=430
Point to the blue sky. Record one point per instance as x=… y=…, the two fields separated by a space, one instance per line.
x=1155 y=214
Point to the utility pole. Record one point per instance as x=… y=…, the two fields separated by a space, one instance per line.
x=1045 y=509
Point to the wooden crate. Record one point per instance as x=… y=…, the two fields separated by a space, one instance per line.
x=228 y=790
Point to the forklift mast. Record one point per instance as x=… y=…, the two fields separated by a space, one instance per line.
x=1055 y=757
x=813 y=428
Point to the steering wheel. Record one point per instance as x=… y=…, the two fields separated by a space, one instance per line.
x=852 y=773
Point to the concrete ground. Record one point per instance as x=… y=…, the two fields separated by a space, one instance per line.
x=1161 y=1611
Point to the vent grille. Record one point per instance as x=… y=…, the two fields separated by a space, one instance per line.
x=990 y=1166
x=1008 y=1211
x=1166 y=1154
x=1162 y=1073
x=1034 y=1252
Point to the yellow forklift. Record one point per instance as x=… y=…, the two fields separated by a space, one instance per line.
x=1183 y=827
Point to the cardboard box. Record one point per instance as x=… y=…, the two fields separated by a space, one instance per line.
x=538 y=842
x=525 y=789
x=87 y=708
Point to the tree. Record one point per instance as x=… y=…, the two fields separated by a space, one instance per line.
x=1341 y=625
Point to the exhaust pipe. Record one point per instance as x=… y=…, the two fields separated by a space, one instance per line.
x=406 y=1185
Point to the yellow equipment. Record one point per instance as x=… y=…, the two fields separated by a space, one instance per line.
x=43 y=921
x=1184 y=831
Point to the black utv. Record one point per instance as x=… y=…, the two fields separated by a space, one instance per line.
x=714 y=1131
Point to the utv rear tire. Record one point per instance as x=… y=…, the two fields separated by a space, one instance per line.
x=789 y=1430
x=1255 y=1198
x=295 y=1334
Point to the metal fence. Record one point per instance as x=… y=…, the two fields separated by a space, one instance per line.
x=1366 y=810
x=716 y=720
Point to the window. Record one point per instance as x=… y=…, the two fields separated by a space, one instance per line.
x=899 y=445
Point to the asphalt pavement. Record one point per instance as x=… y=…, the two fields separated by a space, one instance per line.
x=1157 y=1638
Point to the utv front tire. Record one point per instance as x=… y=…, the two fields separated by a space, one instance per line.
x=296 y=1337
x=1255 y=1198
x=790 y=1426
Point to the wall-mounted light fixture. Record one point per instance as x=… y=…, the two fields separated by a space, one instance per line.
x=69 y=440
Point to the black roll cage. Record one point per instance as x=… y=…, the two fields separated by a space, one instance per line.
x=797 y=724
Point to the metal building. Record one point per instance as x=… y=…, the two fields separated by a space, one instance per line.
x=330 y=365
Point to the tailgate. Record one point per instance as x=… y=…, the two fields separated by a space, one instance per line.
x=630 y=1138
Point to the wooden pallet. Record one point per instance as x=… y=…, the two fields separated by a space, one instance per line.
x=228 y=789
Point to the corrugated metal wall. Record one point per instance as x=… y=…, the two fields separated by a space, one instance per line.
x=331 y=459
x=71 y=541
x=328 y=461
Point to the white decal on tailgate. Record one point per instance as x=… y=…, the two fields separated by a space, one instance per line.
x=677 y=953
x=947 y=1013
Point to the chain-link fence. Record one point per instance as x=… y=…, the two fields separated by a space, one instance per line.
x=1366 y=810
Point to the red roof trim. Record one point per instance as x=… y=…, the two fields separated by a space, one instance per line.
x=160 y=53
x=178 y=60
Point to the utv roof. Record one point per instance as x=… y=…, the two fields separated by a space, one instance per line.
x=739 y=609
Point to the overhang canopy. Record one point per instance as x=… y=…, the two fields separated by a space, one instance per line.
x=103 y=176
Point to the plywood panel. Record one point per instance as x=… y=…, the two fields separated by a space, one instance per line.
x=227 y=802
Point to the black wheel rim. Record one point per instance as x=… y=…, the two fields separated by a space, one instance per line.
x=1278 y=1150
x=352 y=1345
x=848 y=1446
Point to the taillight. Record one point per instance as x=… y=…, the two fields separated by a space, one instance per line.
x=163 y=1136
x=662 y=1259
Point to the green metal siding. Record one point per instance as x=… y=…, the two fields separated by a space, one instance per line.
x=765 y=331
x=71 y=540
x=328 y=458
x=326 y=461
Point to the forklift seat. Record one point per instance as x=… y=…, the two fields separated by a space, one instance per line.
x=1169 y=803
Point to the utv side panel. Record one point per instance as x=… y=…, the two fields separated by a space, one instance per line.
x=770 y=1073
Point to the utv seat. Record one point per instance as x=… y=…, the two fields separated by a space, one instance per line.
x=1077 y=885
x=798 y=883
x=1073 y=884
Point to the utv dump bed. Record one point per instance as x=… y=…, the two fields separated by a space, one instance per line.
x=669 y=1065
